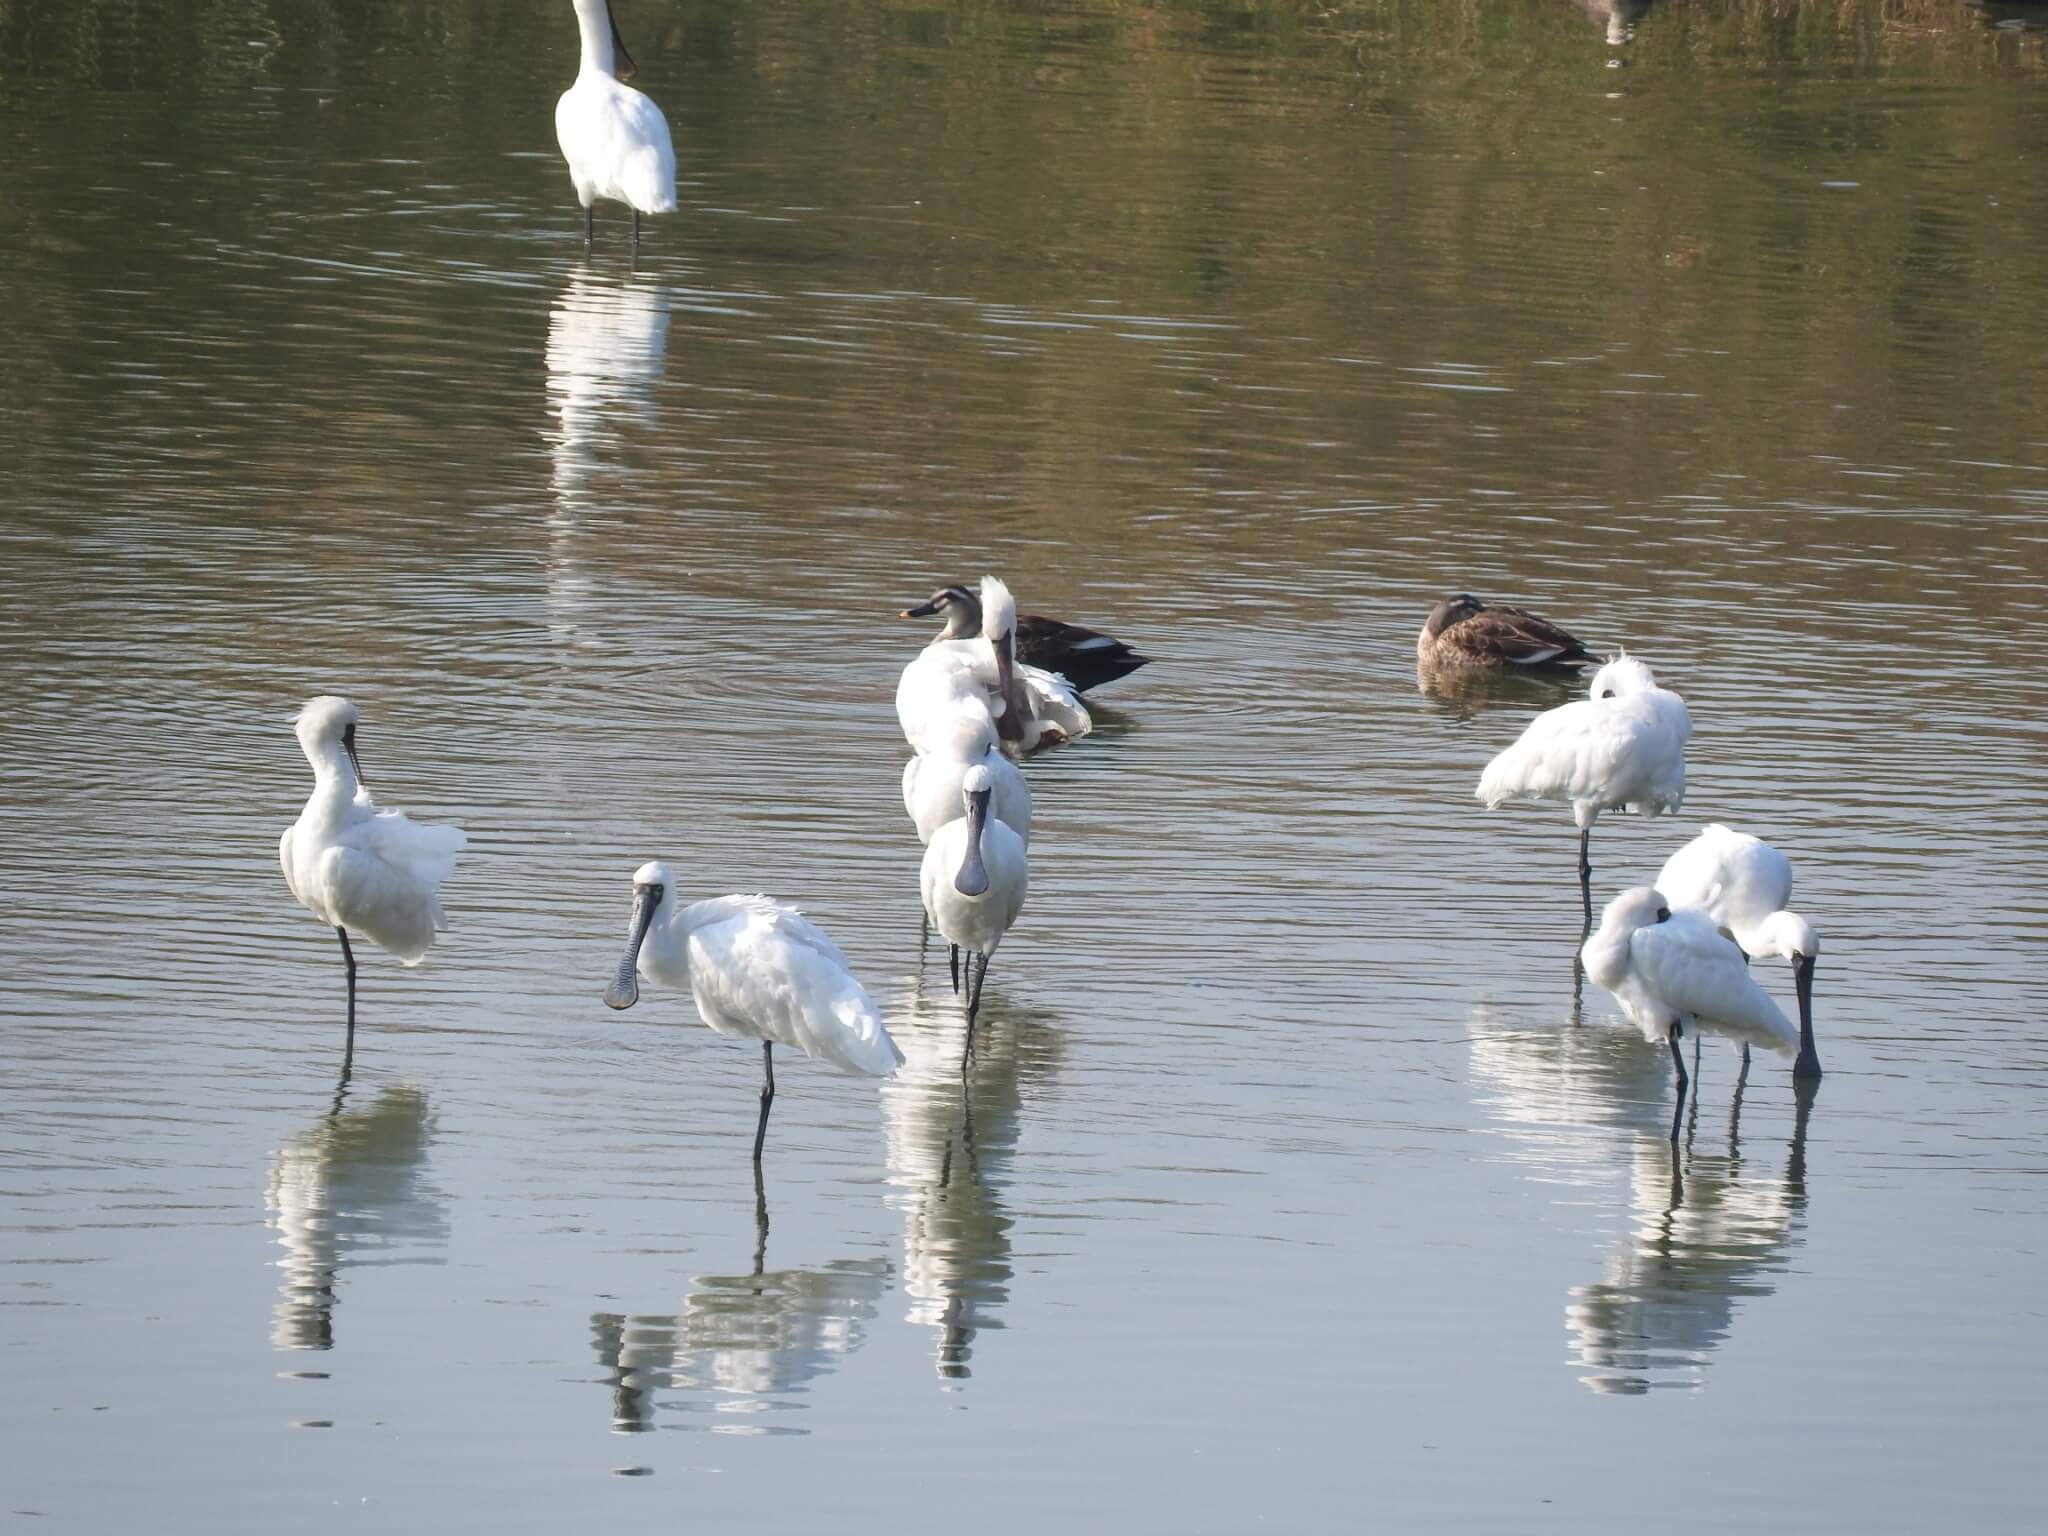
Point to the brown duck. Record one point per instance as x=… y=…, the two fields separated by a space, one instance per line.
x=1464 y=632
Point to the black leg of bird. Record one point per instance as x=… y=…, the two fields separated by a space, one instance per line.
x=767 y=1094
x=953 y=964
x=348 y=959
x=636 y=229
x=589 y=224
x=1678 y=1063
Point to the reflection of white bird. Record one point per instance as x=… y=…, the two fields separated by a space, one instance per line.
x=1624 y=746
x=1701 y=1240
x=1741 y=884
x=615 y=140
x=349 y=1191
x=757 y=969
x=353 y=866
x=1031 y=707
x=607 y=349
x=932 y=778
x=948 y=1145
x=974 y=879
x=1671 y=970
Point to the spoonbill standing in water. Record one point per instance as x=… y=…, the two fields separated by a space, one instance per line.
x=757 y=969
x=1624 y=746
x=974 y=878
x=1672 y=971
x=1462 y=631
x=1742 y=885
x=354 y=866
x=615 y=139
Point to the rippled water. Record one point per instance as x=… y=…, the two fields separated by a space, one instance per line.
x=1297 y=1179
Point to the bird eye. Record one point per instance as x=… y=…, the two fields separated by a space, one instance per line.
x=1605 y=693
x=1663 y=914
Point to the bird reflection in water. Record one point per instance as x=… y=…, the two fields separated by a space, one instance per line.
x=743 y=1347
x=1618 y=17
x=607 y=349
x=949 y=1143
x=350 y=1190
x=1712 y=1222
x=1464 y=693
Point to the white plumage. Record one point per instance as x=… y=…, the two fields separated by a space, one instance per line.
x=1743 y=886
x=1030 y=706
x=1671 y=971
x=615 y=140
x=756 y=969
x=932 y=779
x=353 y=866
x=974 y=879
x=1623 y=747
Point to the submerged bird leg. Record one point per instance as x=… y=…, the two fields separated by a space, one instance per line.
x=1678 y=1064
x=589 y=223
x=977 y=976
x=636 y=226
x=1585 y=862
x=924 y=936
x=760 y=1218
x=767 y=1098
x=348 y=959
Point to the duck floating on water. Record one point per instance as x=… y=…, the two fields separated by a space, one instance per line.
x=1462 y=631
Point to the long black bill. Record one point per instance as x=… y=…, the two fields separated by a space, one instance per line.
x=921 y=611
x=1808 y=1064
x=624 y=991
x=973 y=877
x=1010 y=723
x=348 y=745
x=623 y=67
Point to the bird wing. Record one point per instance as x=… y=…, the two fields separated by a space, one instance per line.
x=1685 y=964
x=1055 y=703
x=761 y=969
x=1516 y=637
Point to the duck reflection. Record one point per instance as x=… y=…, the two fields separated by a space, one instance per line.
x=1711 y=1224
x=607 y=348
x=1619 y=17
x=350 y=1190
x=744 y=1346
x=949 y=1144
x=1467 y=692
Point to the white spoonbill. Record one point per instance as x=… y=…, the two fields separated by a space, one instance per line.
x=1086 y=658
x=354 y=866
x=1743 y=885
x=1624 y=746
x=1461 y=631
x=973 y=879
x=1030 y=706
x=932 y=779
x=757 y=969
x=615 y=140
x=1672 y=971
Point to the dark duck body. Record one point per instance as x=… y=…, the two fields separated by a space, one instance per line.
x=1462 y=631
x=1086 y=658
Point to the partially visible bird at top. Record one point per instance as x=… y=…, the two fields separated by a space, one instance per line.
x=1087 y=658
x=615 y=140
x=1671 y=971
x=756 y=969
x=1623 y=747
x=354 y=866
x=1743 y=886
x=1462 y=631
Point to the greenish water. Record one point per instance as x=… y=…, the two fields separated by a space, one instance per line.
x=1297 y=1182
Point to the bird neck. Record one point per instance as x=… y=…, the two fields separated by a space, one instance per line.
x=594 y=21
x=332 y=771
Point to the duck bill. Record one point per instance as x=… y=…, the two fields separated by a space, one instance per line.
x=1808 y=1064
x=921 y=611
x=973 y=877
x=624 y=991
x=623 y=67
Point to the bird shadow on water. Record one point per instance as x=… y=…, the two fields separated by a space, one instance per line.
x=742 y=1347
x=350 y=1190
x=951 y=1140
x=1711 y=1221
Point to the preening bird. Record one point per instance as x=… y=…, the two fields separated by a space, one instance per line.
x=757 y=969
x=1743 y=886
x=354 y=866
x=932 y=778
x=974 y=878
x=1086 y=658
x=1624 y=746
x=1671 y=971
x=1462 y=631
x=615 y=140
x=1030 y=706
